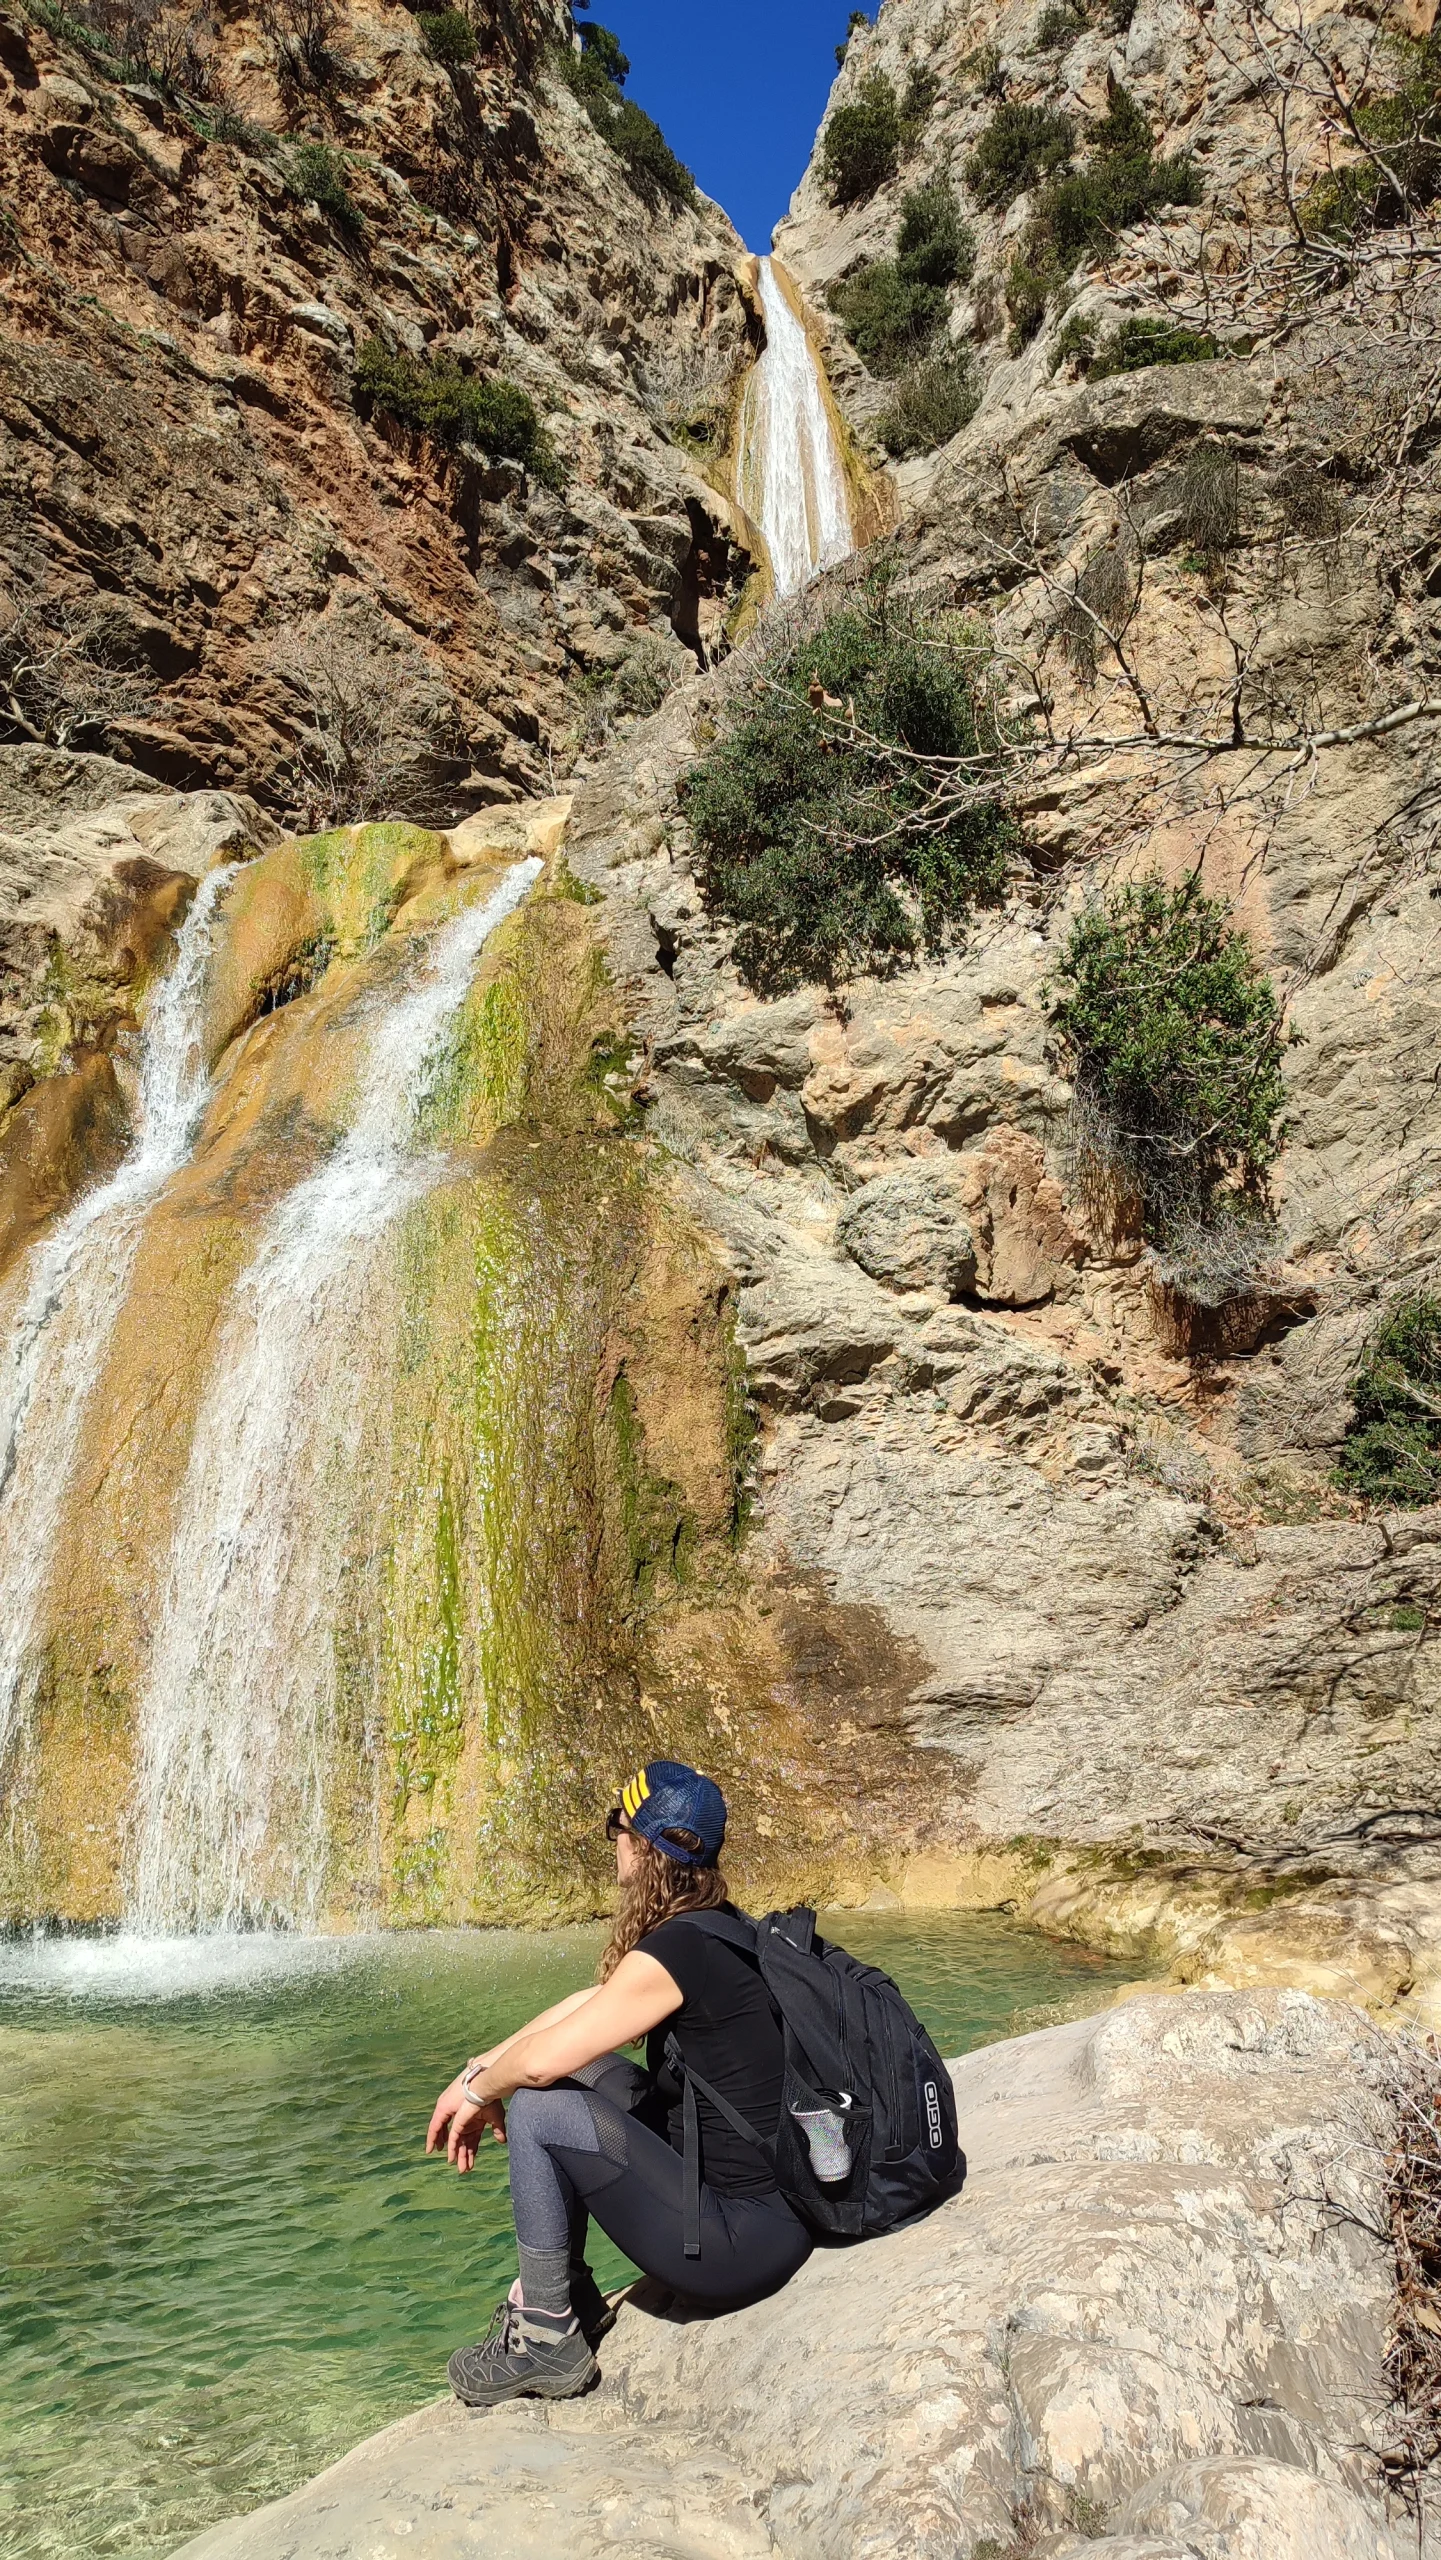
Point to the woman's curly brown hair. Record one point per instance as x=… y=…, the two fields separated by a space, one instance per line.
x=659 y=1888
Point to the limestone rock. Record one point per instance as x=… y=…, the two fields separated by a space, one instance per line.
x=1140 y=2318
x=907 y=1231
x=178 y=421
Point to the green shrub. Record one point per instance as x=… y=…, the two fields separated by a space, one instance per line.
x=604 y=49
x=892 y=308
x=823 y=847
x=918 y=99
x=1020 y=147
x=633 y=688
x=1078 y=210
x=856 y=19
x=597 y=74
x=1392 y=1451
x=1060 y=24
x=451 y=407
x=889 y=322
x=984 y=73
x=317 y=176
x=929 y=405
x=449 y=35
x=1173 y=1037
x=934 y=245
x=1138 y=343
x=1404 y=131
x=861 y=146
x=1075 y=344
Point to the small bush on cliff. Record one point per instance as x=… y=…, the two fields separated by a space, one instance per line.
x=892 y=308
x=929 y=405
x=888 y=319
x=1078 y=211
x=918 y=99
x=598 y=74
x=856 y=20
x=1020 y=146
x=851 y=814
x=1138 y=343
x=1392 y=1451
x=449 y=35
x=861 y=146
x=317 y=176
x=306 y=36
x=451 y=407
x=1173 y=1037
x=1059 y=25
x=1397 y=138
x=68 y=671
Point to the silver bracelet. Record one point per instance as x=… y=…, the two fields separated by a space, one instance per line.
x=465 y=2081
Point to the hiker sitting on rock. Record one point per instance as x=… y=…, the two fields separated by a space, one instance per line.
x=789 y=2092
x=587 y=2130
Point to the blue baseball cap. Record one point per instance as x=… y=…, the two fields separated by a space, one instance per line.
x=667 y=1796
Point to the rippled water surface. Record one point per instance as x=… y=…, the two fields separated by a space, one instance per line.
x=223 y=2255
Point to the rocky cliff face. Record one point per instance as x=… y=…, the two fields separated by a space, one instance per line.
x=191 y=494
x=1143 y=1618
x=1046 y=1548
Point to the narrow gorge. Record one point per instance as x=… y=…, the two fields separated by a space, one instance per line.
x=718 y=1012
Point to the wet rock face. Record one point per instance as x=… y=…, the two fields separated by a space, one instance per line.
x=179 y=437
x=1139 y=2331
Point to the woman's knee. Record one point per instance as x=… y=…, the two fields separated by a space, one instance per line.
x=525 y=2111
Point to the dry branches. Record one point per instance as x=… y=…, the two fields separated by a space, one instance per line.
x=67 y=671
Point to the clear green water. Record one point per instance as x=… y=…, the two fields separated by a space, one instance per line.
x=223 y=2255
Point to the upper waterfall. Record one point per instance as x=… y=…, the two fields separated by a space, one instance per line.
x=792 y=478
x=73 y=1287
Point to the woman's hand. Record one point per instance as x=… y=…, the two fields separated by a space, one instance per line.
x=467 y=2119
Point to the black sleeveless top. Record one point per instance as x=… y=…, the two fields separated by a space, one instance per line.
x=728 y=2032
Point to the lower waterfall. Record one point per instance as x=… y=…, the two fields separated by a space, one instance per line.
x=234 y=1716
x=792 y=478
x=73 y=1286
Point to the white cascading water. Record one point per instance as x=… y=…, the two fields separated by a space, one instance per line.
x=235 y=1723
x=74 y=1286
x=792 y=480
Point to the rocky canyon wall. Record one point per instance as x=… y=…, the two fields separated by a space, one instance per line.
x=1024 y=1578
x=1146 y=1622
x=192 y=488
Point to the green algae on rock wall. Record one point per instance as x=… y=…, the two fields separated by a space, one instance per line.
x=491 y=1553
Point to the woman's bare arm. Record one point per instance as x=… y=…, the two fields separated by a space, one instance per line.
x=546 y=2018
x=639 y=1994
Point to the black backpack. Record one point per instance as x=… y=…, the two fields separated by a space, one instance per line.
x=848 y=2033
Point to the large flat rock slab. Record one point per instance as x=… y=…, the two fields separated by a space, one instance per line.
x=1152 y=2327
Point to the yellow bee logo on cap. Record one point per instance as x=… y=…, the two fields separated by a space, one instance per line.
x=633 y=1794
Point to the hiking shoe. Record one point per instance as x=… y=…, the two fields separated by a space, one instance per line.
x=507 y=2366
x=595 y=2314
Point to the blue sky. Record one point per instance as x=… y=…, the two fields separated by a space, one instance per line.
x=738 y=87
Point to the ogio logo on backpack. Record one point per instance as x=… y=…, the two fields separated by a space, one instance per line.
x=933 y=2115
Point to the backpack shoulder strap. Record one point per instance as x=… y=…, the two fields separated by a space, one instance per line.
x=732 y=1926
x=691 y=2080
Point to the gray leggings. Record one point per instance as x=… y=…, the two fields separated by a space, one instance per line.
x=578 y=2150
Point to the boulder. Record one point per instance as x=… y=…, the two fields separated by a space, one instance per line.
x=907 y=1230
x=1142 y=2333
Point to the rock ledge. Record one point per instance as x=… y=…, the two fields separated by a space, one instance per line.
x=1143 y=2332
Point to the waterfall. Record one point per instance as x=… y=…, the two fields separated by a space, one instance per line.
x=73 y=1287
x=792 y=481
x=236 y=1721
